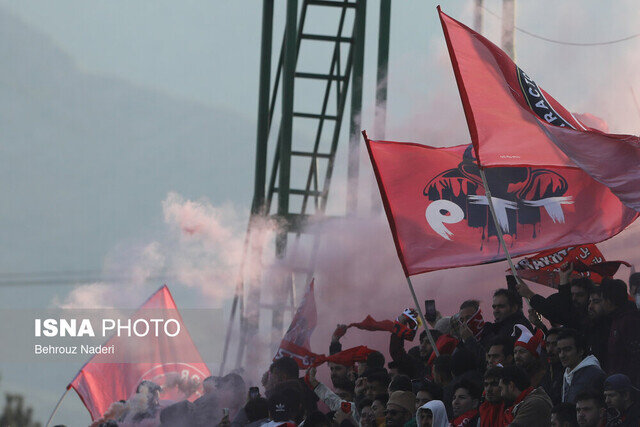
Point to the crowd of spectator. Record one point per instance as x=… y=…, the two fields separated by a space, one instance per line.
x=572 y=360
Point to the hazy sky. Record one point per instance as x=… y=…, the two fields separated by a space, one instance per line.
x=204 y=55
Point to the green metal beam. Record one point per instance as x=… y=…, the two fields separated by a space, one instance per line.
x=263 y=108
x=379 y=130
x=353 y=168
x=383 y=68
x=286 y=129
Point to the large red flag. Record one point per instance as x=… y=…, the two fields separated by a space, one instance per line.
x=162 y=359
x=514 y=122
x=295 y=343
x=439 y=217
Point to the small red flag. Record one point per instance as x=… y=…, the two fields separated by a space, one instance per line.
x=514 y=122
x=296 y=341
x=438 y=212
x=101 y=382
x=476 y=323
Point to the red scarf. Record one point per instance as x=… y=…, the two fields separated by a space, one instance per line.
x=465 y=419
x=492 y=414
x=508 y=414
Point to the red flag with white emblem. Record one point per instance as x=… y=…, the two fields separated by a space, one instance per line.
x=438 y=212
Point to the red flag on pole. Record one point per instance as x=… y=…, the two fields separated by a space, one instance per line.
x=161 y=359
x=514 y=122
x=295 y=343
x=438 y=213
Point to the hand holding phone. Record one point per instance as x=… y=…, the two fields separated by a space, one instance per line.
x=430 y=313
x=254 y=393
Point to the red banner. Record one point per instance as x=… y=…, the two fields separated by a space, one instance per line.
x=587 y=261
x=438 y=213
x=296 y=341
x=101 y=382
x=514 y=122
x=544 y=267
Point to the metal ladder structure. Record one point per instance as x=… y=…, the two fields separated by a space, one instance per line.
x=289 y=203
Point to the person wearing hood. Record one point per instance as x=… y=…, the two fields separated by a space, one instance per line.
x=580 y=372
x=432 y=414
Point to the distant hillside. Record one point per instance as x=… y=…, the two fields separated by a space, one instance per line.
x=85 y=160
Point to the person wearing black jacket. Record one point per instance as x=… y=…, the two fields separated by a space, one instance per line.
x=552 y=382
x=599 y=327
x=414 y=362
x=623 y=355
x=507 y=312
x=567 y=307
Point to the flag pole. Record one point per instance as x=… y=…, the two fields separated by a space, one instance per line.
x=424 y=321
x=57 y=406
x=487 y=192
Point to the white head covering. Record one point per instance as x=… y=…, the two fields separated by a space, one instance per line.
x=439 y=413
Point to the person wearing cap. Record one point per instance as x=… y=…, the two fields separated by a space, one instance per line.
x=623 y=355
x=432 y=414
x=527 y=352
x=622 y=410
x=400 y=408
x=526 y=406
x=581 y=371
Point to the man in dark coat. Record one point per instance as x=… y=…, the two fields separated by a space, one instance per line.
x=599 y=327
x=567 y=307
x=623 y=354
x=507 y=312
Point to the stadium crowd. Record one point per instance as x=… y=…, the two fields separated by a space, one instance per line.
x=572 y=360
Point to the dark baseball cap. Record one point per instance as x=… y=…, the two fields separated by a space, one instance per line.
x=618 y=382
